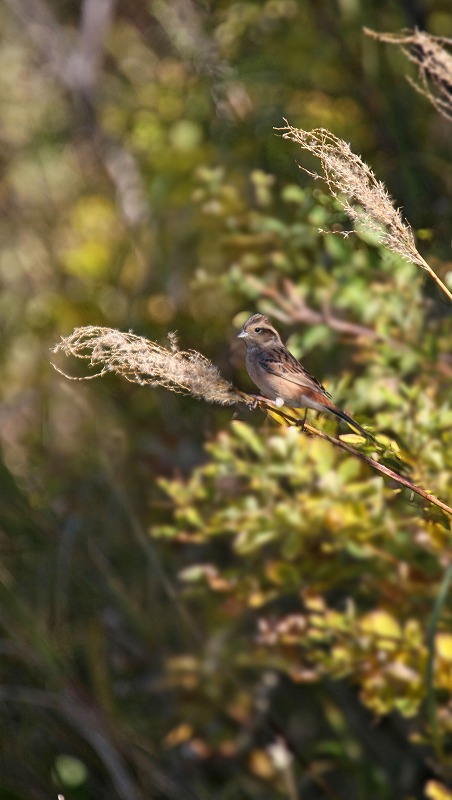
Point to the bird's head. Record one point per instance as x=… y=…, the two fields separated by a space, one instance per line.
x=257 y=330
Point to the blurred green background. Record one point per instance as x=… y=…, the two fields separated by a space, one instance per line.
x=143 y=187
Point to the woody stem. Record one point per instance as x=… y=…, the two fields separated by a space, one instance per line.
x=264 y=404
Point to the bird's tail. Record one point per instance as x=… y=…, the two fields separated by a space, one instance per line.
x=350 y=422
x=300 y=413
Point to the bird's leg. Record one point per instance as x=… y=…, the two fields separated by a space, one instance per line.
x=254 y=402
x=304 y=419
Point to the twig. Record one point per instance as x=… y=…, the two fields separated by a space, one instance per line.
x=294 y=309
x=289 y=419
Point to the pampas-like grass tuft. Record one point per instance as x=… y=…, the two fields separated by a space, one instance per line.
x=363 y=197
x=433 y=62
x=142 y=361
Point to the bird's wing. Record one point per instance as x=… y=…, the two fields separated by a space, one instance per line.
x=289 y=369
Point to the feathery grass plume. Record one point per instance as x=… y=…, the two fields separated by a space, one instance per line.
x=433 y=61
x=364 y=198
x=147 y=363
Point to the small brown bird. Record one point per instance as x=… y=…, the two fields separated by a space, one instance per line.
x=280 y=377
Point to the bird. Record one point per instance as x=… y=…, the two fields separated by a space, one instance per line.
x=280 y=376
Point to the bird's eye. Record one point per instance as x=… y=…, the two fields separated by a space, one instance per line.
x=257 y=330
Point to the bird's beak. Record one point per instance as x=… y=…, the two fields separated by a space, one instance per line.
x=242 y=335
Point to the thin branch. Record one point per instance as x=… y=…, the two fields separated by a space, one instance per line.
x=291 y=308
x=294 y=309
x=389 y=473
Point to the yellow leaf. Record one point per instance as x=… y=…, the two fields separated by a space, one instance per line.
x=261 y=765
x=435 y=790
x=352 y=438
x=182 y=733
x=382 y=625
x=277 y=416
x=443 y=642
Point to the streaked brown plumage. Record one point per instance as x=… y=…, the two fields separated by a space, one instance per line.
x=280 y=377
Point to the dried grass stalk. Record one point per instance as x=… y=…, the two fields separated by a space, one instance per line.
x=364 y=198
x=433 y=61
x=147 y=363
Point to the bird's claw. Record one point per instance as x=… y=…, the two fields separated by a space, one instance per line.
x=254 y=401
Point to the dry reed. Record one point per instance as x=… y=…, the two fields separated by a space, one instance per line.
x=364 y=198
x=433 y=62
x=147 y=363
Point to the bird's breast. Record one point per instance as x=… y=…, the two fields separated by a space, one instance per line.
x=260 y=371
